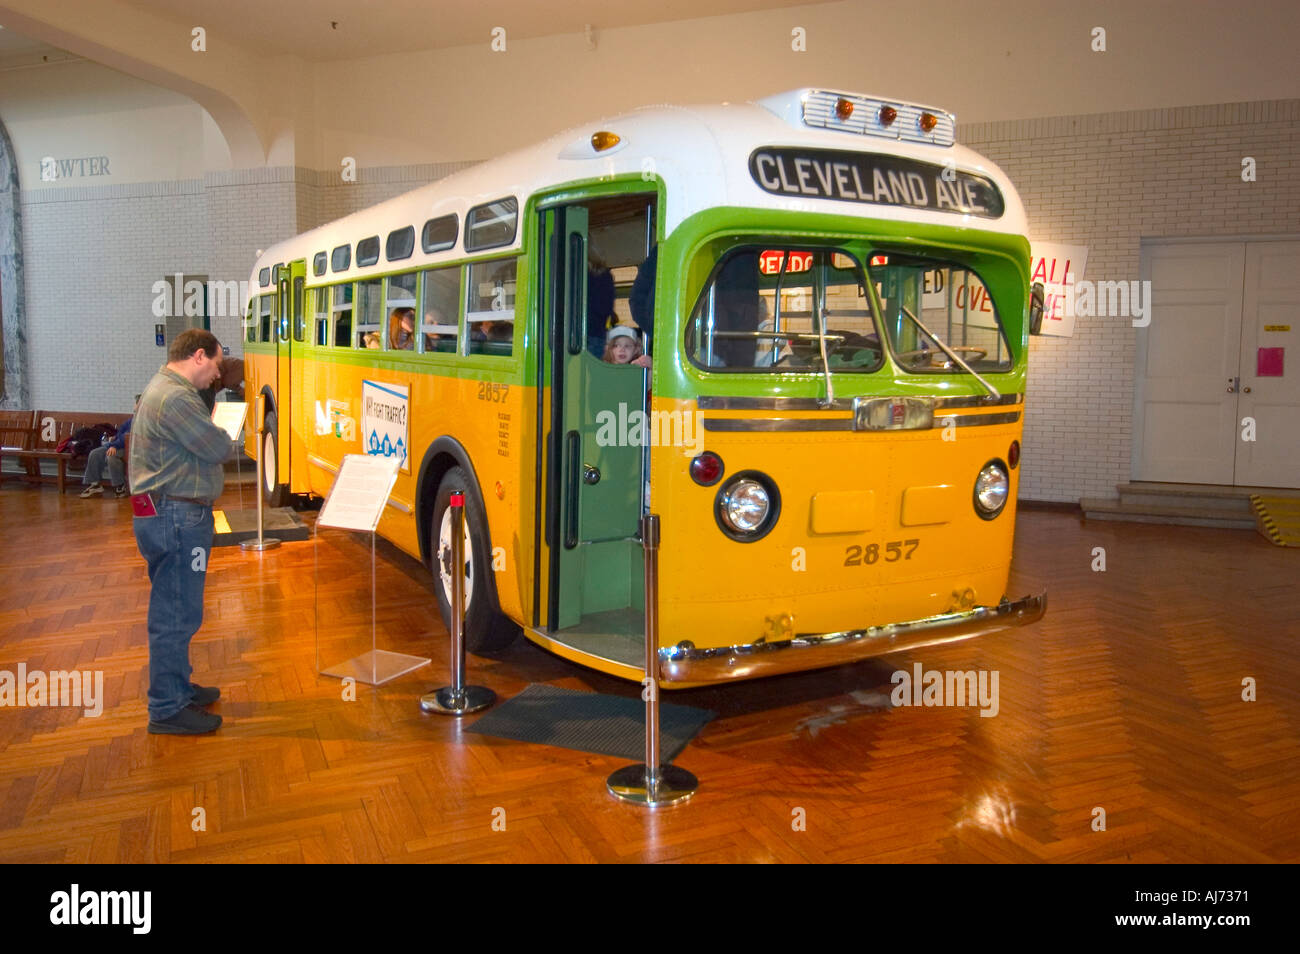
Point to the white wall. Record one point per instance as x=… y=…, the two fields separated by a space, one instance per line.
x=81 y=109
x=1107 y=181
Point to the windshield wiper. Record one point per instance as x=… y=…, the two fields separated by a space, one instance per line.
x=993 y=392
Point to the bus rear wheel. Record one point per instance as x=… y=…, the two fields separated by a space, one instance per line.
x=486 y=627
x=274 y=493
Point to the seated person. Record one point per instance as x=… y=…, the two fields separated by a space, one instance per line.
x=622 y=346
x=110 y=456
x=401 y=329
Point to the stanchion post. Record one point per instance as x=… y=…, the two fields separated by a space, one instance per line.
x=652 y=784
x=457 y=699
x=261 y=543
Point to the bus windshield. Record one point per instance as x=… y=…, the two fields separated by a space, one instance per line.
x=764 y=307
x=951 y=303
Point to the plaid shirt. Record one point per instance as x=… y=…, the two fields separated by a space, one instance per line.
x=175 y=448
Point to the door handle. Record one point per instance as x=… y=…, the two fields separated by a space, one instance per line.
x=590 y=475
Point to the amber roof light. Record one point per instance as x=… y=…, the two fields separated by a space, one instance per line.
x=887 y=115
x=600 y=141
x=843 y=109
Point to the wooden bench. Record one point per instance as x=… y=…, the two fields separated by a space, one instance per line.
x=34 y=436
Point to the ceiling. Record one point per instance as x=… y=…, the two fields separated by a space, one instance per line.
x=325 y=30
x=16 y=49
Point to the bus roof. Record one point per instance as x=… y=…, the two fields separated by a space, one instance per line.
x=777 y=153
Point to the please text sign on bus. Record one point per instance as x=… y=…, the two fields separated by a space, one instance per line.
x=875 y=178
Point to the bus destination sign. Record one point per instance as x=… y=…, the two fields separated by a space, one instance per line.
x=875 y=178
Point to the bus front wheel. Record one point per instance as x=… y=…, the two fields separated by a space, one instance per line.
x=486 y=628
x=273 y=492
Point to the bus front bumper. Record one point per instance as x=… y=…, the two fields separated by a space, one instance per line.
x=814 y=651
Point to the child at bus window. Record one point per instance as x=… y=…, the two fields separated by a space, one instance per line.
x=623 y=347
x=401 y=329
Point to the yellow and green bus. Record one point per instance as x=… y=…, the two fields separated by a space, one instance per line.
x=834 y=300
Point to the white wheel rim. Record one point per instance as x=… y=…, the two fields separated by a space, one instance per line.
x=268 y=462
x=444 y=558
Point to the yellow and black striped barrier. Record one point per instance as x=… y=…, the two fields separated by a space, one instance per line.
x=1278 y=518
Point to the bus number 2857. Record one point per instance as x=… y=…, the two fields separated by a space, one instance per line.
x=894 y=551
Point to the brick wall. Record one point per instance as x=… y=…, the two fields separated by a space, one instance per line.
x=1108 y=181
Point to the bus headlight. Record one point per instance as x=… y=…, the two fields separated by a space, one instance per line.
x=747 y=506
x=991 y=488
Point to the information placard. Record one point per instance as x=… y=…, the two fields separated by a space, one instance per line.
x=229 y=416
x=359 y=493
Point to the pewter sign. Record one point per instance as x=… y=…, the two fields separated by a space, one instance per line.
x=53 y=169
x=874 y=178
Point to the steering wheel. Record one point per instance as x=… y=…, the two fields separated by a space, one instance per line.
x=809 y=349
x=942 y=358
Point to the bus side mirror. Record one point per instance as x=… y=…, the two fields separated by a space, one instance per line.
x=1036 y=309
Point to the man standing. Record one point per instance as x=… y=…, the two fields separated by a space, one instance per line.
x=176 y=474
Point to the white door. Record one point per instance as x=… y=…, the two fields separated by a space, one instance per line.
x=1206 y=368
x=1184 y=423
x=1270 y=320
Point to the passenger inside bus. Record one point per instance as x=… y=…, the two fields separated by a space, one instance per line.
x=600 y=303
x=435 y=340
x=641 y=299
x=622 y=346
x=401 y=329
x=737 y=310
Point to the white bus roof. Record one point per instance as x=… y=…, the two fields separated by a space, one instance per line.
x=703 y=155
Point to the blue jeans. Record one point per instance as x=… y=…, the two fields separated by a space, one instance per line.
x=98 y=461
x=176 y=545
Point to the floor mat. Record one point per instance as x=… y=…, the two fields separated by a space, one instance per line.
x=591 y=722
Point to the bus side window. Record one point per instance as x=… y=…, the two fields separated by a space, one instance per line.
x=490 y=307
x=441 y=305
x=320 y=298
x=266 y=309
x=341 y=309
x=250 y=321
x=370 y=313
x=399 y=306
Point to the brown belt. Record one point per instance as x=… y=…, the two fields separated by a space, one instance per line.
x=189 y=500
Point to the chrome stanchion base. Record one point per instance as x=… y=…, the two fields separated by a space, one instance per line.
x=449 y=702
x=673 y=786
x=267 y=543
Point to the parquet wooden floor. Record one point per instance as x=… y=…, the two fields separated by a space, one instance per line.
x=1126 y=697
